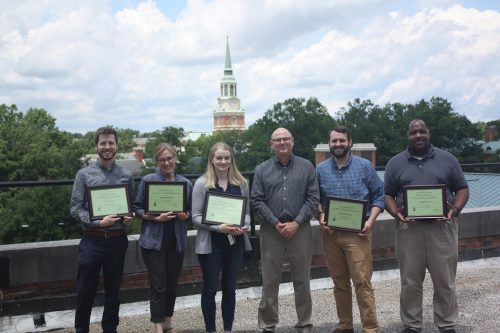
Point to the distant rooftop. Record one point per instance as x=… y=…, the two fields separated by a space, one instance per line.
x=484 y=189
x=491 y=147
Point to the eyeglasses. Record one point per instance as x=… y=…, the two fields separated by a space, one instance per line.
x=284 y=140
x=164 y=160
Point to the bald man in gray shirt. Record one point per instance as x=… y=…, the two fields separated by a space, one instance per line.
x=285 y=195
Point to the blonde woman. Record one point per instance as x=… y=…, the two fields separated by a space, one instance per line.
x=215 y=251
x=163 y=241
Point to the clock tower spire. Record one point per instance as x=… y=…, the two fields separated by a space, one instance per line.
x=228 y=115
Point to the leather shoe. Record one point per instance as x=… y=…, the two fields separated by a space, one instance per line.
x=409 y=330
x=449 y=330
x=267 y=331
x=343 y=330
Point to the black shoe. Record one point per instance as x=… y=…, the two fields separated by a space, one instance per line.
x=409 y=330
x=449 y=330
x=265 y=330
x=343 y=330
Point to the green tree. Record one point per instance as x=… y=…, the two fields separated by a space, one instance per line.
x=33 y=148
x=196 y=152
x=386 y=127
x=449 y=130
x=125 y=140
x=309 y=122
x=171 y=135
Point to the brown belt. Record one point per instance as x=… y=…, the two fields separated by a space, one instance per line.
x=105 y=233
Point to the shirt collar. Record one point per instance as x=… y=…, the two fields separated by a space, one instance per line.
x=100 y=165
x=334 y=164
x=158 y=171
x=289 y=162
x=430 y=153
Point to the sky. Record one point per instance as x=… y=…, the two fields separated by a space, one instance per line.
x=148 y=64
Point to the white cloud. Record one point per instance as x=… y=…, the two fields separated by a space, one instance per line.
x=135 y=67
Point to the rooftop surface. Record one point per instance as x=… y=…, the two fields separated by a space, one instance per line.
x=478 y=291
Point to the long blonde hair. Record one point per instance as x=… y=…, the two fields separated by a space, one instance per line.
x=234 y=176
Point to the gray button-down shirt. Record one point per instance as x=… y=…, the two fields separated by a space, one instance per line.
x=285 y=190
x=96 y=175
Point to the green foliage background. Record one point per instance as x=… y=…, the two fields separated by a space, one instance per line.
x=33 y=148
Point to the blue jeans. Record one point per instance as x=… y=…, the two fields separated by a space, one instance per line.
x=228 y=259
x=94 y=253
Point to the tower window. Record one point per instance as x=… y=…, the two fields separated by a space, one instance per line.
x=233 y=120
x=231 y=90
x=225 y=90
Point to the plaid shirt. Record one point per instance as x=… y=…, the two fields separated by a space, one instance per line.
x=96 y=175
x=356 y=180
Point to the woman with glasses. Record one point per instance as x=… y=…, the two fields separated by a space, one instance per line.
x=220 y=247
x=163 y=240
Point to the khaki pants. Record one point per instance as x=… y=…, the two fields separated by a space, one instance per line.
x=298 y=251
x=431 y=245
x=349 y=256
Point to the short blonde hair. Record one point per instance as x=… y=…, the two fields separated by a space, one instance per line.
x=234 y=176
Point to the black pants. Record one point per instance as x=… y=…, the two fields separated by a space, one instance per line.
x=163 y=267
x=96 y=253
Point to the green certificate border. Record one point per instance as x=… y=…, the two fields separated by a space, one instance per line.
x=425 y=201
x=108 y=200
x=345 y=214
x=222 y=208
x=161 y=197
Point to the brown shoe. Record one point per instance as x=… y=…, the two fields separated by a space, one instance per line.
x=343 y=330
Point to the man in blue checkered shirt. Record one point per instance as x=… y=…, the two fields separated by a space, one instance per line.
x=347 y=252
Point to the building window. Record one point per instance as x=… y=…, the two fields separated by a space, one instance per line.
x=231 y=90
x=225 y=90
x=233 y=120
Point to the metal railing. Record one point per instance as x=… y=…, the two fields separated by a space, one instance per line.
x=469 y=167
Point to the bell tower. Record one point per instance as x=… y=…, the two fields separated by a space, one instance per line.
x=228 y=115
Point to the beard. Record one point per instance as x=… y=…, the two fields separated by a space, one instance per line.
x=106 y=156
x=339 y=153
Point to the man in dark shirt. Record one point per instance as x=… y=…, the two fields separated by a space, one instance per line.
x=104 y=242
x=285 y=195
x=430 y=244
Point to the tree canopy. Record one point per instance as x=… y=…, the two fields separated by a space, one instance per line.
x=309 y=122
x=386 y=127
x=33 y=148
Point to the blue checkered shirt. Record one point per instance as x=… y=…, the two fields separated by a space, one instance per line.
x=356 y=180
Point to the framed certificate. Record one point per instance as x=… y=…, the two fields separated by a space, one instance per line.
x=109 y=200
x=222 y=208
x=424 y=201
x=345 y=214
x=164 y=197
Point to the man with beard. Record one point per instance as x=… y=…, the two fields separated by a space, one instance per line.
x=348 y=254
x=285 y=196
x=104 y=242
x=426 y=244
